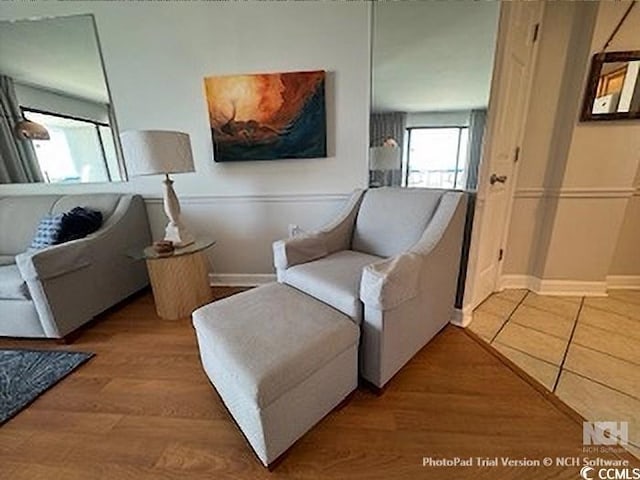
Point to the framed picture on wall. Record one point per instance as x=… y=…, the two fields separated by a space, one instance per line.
x=267 y=116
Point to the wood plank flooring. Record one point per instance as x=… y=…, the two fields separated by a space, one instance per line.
x=143 y=409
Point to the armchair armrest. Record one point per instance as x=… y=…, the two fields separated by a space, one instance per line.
x=440 y=222
x=389 y=283
x=72 y=282
x=331 y=238
x=54 y=261
x=68 y=257
x=300 y=249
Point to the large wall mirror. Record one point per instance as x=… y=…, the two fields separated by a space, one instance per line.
x=432 y=67
x=57 y=123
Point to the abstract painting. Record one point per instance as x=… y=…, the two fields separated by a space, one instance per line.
x=267 y=116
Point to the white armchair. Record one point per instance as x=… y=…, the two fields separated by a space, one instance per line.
x=390 y=262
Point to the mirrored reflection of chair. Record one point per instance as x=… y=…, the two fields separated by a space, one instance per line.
x=390 y=262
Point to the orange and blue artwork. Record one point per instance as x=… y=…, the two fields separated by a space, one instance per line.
x=267 y=116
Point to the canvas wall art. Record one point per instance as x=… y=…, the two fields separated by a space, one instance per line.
x=267 y=116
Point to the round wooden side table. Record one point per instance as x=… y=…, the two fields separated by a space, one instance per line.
x=180 y=279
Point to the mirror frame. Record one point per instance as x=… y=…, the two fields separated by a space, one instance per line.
x=113 y=118
x=597 y=62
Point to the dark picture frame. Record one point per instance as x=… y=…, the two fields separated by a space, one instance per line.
x=591 y=92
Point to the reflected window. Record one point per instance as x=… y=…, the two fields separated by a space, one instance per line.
x=78 y=150
x=437 y=157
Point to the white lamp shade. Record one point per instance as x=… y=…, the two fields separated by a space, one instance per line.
x=385 y=158
x=149 y=152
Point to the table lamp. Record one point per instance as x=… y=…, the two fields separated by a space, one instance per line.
x=385 y=165
x=385 y=158
x=29 y=130
x=152 y=152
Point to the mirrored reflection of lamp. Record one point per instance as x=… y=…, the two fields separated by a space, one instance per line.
x=385 y=158
x=385 y=165
x=151 y=152
x=29 y=130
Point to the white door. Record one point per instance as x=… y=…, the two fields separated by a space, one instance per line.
x=508 y=104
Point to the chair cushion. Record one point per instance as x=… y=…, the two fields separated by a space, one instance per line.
x=392 y=220
x=12 y=286
x=334 y=280
x=105 y=203
x=268 y=340
x=23 y=214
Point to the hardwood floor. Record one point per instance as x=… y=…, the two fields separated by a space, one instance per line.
x=143 y=409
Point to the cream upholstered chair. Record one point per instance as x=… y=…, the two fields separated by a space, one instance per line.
x=390 y=262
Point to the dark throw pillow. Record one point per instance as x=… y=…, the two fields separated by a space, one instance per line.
x=48 y=232
x=80 y=222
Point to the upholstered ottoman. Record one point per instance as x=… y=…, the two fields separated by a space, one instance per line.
x=279 y=359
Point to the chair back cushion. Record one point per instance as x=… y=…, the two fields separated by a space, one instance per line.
x=105 y=203
x=19 y=218
x=391 y=220
x=21 y=214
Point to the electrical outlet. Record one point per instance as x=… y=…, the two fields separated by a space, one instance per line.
x=294 y=230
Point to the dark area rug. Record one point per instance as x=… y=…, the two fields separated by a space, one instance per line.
x=26 y=374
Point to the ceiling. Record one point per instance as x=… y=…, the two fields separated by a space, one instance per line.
x=59 y=54
x=433 y=55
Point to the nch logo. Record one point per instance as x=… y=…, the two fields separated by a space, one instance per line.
x=605 y=433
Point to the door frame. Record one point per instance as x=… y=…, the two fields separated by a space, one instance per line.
x=469 y=300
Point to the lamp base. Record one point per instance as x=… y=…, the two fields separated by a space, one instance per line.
x=178 y=235
x=175 y=231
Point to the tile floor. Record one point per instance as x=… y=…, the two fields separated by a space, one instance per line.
x=585 y=350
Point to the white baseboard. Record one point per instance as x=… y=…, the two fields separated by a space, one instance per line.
x=573 y=288
x=240 y=279
x=554 y=287
x=630 y=282
x=518 y=282
x=460 y=318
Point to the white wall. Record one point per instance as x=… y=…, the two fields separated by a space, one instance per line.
x=156 y=56
x=574 y=218
x=625 y=266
